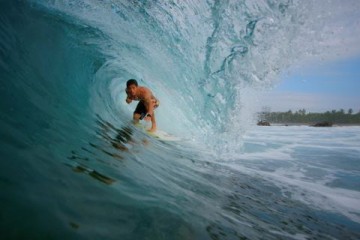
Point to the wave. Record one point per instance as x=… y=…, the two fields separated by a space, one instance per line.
x=63 y=69
x=205 y=61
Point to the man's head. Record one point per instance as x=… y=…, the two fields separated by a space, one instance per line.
x=131 y=82
x=131 y=86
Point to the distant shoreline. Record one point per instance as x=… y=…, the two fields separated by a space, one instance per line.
x=311 y=124
x=301 y=117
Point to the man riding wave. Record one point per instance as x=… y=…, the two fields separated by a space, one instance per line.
x=147 y=103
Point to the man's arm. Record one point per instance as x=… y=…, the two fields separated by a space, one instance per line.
x=128 y=100
x=149 y=102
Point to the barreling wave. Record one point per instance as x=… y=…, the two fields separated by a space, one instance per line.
x=63 y=68
x=205 y=61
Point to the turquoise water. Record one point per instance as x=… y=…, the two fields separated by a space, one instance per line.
x=74 y=167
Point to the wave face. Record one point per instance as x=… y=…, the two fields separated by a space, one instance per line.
x=64 y=121
x=204 y=61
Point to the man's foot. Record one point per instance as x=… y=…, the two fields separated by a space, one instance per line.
x=152 y=130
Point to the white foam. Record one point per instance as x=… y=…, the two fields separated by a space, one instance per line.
x=290 y=173
x=338 y=200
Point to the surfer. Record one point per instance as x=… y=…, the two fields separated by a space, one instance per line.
x=147 y=103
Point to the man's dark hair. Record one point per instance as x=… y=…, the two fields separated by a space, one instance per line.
x=131 y=82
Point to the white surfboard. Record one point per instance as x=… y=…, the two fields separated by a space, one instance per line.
x=162 y=135
x=158 y=134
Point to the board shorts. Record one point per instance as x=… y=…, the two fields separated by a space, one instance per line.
x=141 y=109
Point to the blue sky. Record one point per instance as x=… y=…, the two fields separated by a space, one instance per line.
x=331 y=81
x=332 y=85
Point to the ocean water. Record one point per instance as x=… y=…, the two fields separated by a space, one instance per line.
x=74 y=167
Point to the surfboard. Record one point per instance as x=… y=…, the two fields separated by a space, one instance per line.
x=158 y=134
x=162 y=135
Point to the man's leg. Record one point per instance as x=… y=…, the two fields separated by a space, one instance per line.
x=136 y=118
x=153 y=123
x=139 y=111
